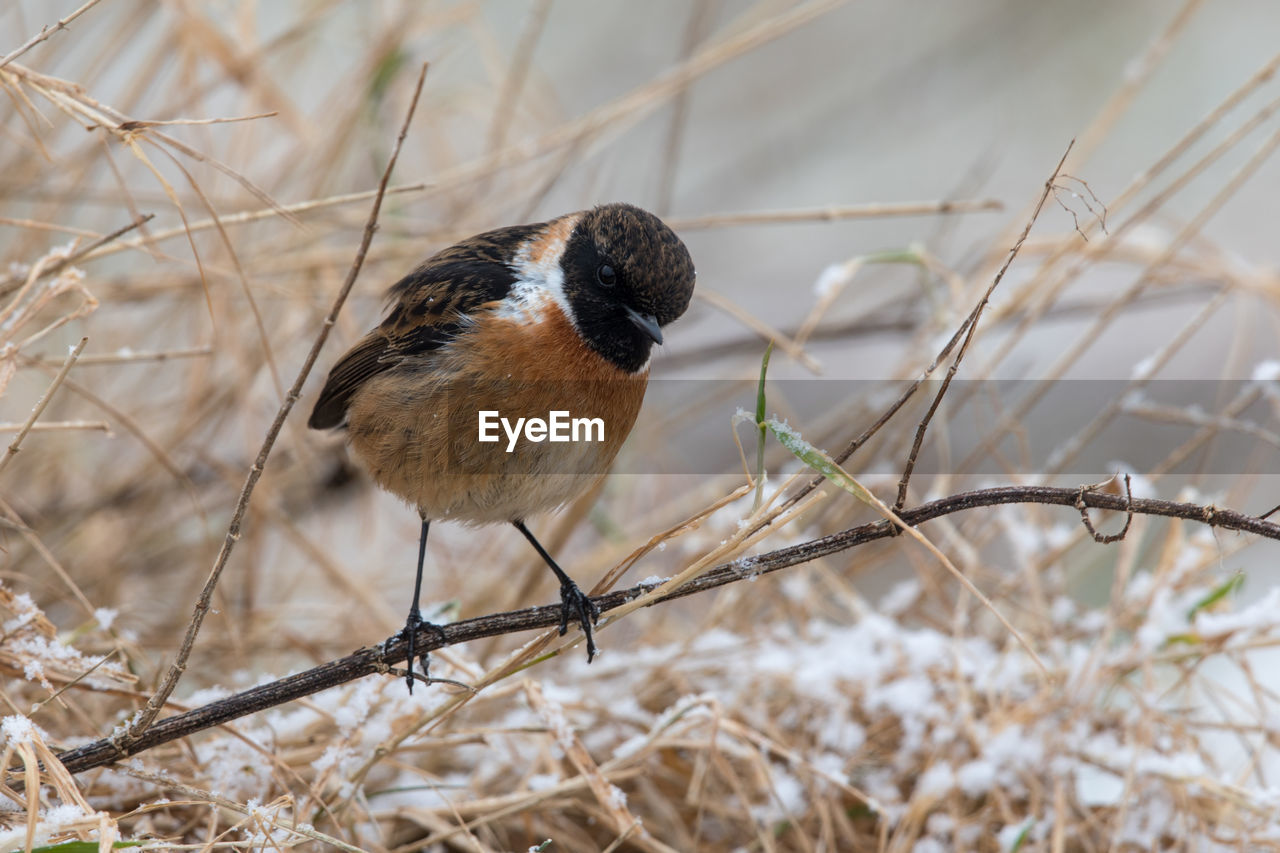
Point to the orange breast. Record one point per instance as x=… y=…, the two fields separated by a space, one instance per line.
x=417 y=427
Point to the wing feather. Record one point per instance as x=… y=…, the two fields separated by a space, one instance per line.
x=428 y=307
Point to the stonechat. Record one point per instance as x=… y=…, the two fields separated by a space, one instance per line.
x=556 y=318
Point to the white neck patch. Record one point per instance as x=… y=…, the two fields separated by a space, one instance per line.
x=539 y=275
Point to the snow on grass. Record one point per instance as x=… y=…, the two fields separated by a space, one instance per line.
x=29 y=643
x=50 y=823
x=892 y=712
x=18 y=729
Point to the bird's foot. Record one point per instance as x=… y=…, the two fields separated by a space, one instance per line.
x=578 y=606
x=410 y=634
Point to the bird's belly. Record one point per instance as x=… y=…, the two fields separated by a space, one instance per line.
x=549 y=439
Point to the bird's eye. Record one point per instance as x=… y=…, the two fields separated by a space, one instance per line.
x=605 y=275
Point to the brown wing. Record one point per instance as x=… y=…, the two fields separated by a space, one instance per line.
x=363 y=361
x=427 y=308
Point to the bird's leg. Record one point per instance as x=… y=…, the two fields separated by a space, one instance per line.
x=573 y=601
x=415 y=621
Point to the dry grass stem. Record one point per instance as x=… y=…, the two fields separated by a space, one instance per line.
x=51 y=426
x=46 y=32
x=60 y=377
x=834 y=213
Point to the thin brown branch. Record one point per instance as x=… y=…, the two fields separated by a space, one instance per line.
x=972 y=323
x=380 y=659
x=1106 y=539
x=248 y=216
x=128 y=357
x=77 y=103
x=7 y=287
x=1070 y=355
x=137 y=730
x=58 y=379
x=46 y=31
x=962 y=332
x=131 y=426
x=139 y=124
x=263 y=338
x=833 y=213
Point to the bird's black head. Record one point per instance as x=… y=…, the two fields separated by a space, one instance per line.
x=626 y=275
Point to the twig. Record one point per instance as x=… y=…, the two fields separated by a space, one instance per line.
x=47 y=226
x=129 y=357
x=1102 y=321
x=53 y=269
x=148 y=714
x=16 y=521
x=47 y=31
x=374 y=659
x=139 y=124
x=965 y=330
x=972 y=323
x=58 y=379
x=131 y=426
x=1192 y=417
x=73 y=682
x=832 y=213
x=234 y=257
x=1088 y=525
x=53 y=426
x=1089 y=200
x=78 y=104
x=247 y=216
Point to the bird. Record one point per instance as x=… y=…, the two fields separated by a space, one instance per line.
x=519 y=322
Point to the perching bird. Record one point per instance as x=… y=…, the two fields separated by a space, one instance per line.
x=520 y=322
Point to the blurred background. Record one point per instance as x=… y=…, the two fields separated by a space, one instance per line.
x=803 y=150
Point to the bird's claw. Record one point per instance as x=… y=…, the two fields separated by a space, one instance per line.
x=410 y=633
x=577 y=605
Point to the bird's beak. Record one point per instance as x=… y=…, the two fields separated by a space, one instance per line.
x=646 y=323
